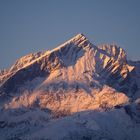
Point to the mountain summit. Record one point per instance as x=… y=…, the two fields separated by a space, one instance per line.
x=75 y=77
x=70 y=76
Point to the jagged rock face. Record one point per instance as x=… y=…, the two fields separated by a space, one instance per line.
x=71 y=74
x=96 y=82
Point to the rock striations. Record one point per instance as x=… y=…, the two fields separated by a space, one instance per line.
x=76 y=76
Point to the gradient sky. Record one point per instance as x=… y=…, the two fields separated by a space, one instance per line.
x=34 y=25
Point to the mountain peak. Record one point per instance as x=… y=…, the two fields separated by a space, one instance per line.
x=79 y=35
x=78 y=57
x=75 y=77
x=77 y=40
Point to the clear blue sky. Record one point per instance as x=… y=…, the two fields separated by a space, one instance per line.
x=33 y=25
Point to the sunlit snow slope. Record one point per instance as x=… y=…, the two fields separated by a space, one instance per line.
x=75 y=76
x=77 y=91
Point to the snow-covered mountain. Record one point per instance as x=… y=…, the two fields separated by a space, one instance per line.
x=74 y=77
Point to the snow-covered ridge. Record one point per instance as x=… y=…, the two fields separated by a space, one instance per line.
x=33 y=57
x=78 y=40
x=76 y=66
x=96 y=87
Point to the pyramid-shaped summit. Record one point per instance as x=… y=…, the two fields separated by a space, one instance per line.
x=79 y=40
x=72 y=72
x=70 y=80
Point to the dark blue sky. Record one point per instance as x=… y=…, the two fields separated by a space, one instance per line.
x=33 y=25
